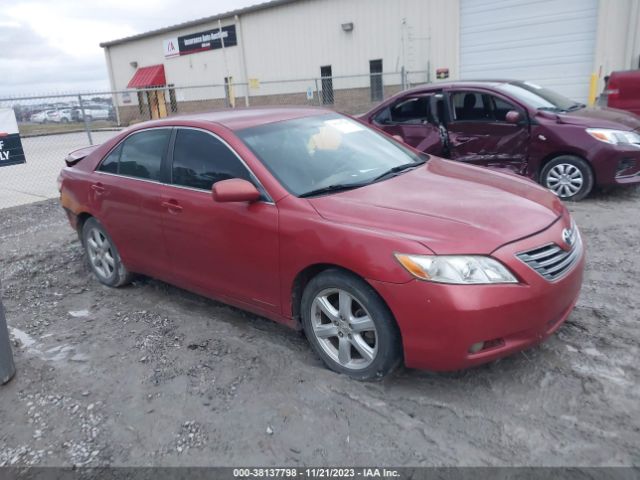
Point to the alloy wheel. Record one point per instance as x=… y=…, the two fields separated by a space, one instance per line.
x=344 y=329
x=565 y=180
x=101 y=253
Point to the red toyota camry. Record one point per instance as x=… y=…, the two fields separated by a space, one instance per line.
x=381 y=254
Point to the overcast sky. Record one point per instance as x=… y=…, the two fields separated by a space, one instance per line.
x=52 y=46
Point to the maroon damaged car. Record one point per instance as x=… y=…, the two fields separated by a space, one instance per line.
x=520 y=127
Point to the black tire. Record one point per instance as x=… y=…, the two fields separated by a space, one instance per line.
x=569 y=169
x=383 y=341
x=103 y=258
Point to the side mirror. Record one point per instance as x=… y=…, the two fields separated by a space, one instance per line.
x=513 y=116
x=235 y=190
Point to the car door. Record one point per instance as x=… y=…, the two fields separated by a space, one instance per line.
x=126 y=197
x=411 y=119
x=479 y=133
x=219 y=249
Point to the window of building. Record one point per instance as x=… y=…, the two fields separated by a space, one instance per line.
x=327 y=85
x=375 y=72
x=143 y=152
x=200 y=160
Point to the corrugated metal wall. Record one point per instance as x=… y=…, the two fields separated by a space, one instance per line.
x=550 y=42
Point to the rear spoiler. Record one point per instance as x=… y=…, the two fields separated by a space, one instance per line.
x=77 y=155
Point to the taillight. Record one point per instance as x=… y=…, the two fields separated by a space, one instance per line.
x=612 y=91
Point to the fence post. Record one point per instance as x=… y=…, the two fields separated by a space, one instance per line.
x=7 y=367
x=318 y=92
x=84 y=118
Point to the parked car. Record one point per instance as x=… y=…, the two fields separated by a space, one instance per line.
x=65 y=115
x=92 y=112
x=45 y=116
x=622 y=91
x=521 y=127
x=307 y=217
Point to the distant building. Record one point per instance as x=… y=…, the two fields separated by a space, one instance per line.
x=354 y=52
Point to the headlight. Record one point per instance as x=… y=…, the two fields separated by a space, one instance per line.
x=459 y=269
x=615 y=137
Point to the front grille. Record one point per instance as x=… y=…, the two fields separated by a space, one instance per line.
x=551 y=261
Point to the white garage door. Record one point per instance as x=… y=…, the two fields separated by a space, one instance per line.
x=548 y=42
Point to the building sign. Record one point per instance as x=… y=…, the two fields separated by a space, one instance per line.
x=442 y=73
x=254 y=83
x=11 y=152
x=171 y=47
x=200 y=42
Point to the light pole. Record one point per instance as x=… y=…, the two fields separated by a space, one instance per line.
x=7 y=368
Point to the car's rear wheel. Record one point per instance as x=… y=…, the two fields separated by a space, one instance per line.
x=349 y=326
x=102 y=255
x=569 y=177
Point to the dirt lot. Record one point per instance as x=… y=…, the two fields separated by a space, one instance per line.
x=152 y=375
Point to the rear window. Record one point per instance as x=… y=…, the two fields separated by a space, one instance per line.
x=140 y=155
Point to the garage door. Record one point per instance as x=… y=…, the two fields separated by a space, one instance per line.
x=548 y=42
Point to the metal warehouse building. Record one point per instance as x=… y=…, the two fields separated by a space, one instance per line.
x=352 y=53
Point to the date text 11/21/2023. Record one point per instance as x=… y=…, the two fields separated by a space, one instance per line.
x=320 y=472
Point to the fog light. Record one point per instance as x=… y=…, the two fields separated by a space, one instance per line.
x=476 y=347
x=624 y=164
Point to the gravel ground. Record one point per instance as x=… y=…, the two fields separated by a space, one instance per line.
x=153 y=375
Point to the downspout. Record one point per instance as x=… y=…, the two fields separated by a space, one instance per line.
x=243 y=61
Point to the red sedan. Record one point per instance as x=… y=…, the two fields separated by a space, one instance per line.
x=304 y=216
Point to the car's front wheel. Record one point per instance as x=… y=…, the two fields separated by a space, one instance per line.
x=349 y=326
x=102 y=255
x=569 y=177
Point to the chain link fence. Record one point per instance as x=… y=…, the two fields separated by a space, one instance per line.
x=52 y=126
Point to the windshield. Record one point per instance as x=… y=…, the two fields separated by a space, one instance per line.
x=539 y=97
x=330 y=152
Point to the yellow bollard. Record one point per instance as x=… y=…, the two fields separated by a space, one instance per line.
x=593 y=86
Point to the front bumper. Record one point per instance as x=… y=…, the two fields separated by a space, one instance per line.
x=617 y=165
x=439 y=323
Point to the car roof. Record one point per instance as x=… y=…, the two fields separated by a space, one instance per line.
x=241 y=118
x=460 y=83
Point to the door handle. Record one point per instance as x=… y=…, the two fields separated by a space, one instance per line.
x=98 y=188
x=172 y=206
x=463 y=139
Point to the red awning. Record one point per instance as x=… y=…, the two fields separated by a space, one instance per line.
x=146 y=77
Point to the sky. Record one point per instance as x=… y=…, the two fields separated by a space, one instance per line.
x=49 y=47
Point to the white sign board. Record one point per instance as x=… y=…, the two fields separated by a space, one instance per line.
x=11 y=152
x=171 y=48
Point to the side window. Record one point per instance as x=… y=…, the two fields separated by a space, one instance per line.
x=142 y=153
x=200 y=160
x=110 y=163
x=500 y=108
x=411 y=110
x=469 y=106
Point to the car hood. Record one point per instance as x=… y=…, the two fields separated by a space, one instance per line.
x=450 y=208
x=599 y=117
